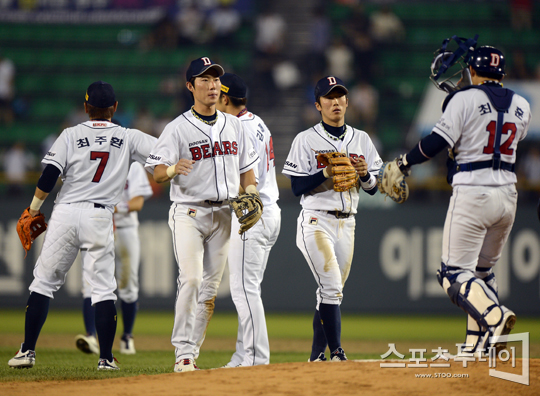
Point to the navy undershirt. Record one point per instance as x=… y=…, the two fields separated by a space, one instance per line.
x=48 y=178
x=431 y=145
x=209 y=118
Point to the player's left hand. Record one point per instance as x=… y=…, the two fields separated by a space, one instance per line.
x=248 y=208
x=29 y=227
x=391 y=180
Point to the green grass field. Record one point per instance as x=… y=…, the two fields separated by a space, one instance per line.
x=363 y=337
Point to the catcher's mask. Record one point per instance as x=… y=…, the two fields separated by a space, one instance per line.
x=442 y=70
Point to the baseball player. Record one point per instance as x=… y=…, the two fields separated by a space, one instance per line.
x=482 y=124
x=127 y=257
x=207 y=156
x=248 y=254
x=93 y=161
x=326 y=224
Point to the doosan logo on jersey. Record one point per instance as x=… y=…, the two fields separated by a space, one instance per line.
x=198 y=143
x=154 y=157
x=51 y=154
x=203 y=151
x=294 y=166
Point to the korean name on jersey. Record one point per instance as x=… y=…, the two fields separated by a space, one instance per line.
x=469 y=125
x=93 y=157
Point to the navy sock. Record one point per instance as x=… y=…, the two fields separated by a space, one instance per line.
x=37 y=309
x=106 y=328
x=331 y=323
x=319 y=339
x=129 y=311
x=89 y=316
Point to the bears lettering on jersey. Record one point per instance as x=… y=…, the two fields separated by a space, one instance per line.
x=205 y=151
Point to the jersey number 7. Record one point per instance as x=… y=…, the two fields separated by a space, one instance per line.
x=103 y=157
x=505 y=148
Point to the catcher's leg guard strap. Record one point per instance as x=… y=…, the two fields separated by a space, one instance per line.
x=472 y=296
x=475 y=337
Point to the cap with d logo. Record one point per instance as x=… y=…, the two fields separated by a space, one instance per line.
x=326 y=84
x=200 y=65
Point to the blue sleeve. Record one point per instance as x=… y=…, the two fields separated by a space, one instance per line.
x=48 y=178
x=426 y=149
x=304 y=184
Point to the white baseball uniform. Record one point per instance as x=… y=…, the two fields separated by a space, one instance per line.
x=327 y=241
x=199 y=217
x=94 y=159
x=248 y=254
x=483 y=203
x=126 y=237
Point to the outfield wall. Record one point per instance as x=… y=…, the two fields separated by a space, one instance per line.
x=397 y=252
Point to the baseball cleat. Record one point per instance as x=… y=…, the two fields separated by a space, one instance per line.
x=320 y=358
x=231 y=365
x=338 y=355
x=127 y=345
x=104 y=364
x=507 y=324
x=87 y=344
x=184 y=365
x=23 y=359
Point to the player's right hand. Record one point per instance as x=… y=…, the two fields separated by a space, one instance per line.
x=184 y=166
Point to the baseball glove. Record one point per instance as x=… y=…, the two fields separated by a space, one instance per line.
x=391 y=180
x=29 y=228
x=248 y=209
x=344 y=174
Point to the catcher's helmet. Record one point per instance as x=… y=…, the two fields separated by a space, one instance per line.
x=487 y=59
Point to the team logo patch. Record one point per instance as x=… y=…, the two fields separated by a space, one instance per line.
x=192 y=212
x=313 y=220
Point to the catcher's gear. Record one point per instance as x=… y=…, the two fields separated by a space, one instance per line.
x=391 y=180
x=344 y=174
x=248 y=209
x=445 y=59
x=29 y=228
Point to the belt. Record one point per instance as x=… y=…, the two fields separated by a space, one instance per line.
x=339 y=215
x=99 y=206
x=213 y=202
x=495 y=165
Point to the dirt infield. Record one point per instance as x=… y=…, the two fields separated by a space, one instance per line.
x=291 y=379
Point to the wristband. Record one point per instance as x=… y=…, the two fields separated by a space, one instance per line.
x=251 y=189
x=325 y=173
x=36 y=203
x=122 y=208
x=171 y=171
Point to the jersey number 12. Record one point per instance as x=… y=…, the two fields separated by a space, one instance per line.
x=505 y=148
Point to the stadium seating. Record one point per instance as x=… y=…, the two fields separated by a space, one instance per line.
x=55 y=63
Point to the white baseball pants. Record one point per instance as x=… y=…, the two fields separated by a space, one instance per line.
x=477 y=225
x=201 y=236
x=328 y=246
x=248 y=256
x=73 y=227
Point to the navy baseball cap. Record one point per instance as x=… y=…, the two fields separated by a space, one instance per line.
x=100 y=94
x=200 y=65
x=233 y=86
x=326 y=84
